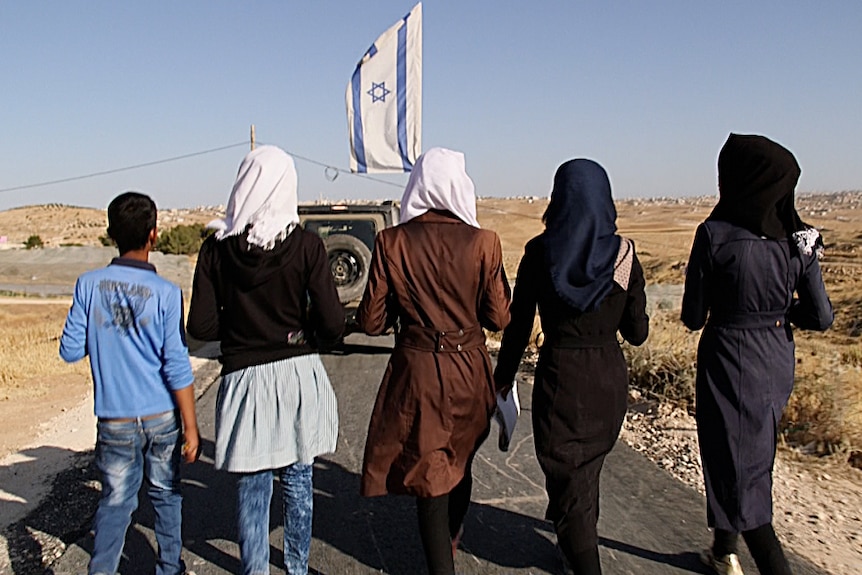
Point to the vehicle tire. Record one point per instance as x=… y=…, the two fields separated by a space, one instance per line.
x=349 y=260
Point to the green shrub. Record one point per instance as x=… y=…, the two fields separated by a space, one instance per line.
x=182 y=239
x=107 y=241
x=34 y=241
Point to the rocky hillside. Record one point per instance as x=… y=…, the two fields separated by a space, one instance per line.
x=60 y=225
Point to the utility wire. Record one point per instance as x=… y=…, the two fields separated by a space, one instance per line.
x=338 y=170
x=328 y=167
x=124 y=169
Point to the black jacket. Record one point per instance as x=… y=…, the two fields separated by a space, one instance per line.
x=264 y=305
x=581 y=382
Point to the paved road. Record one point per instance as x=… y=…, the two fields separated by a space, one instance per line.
x=650 y=523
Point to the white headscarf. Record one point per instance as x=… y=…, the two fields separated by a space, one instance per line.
x=263 y=199
x=439 y=181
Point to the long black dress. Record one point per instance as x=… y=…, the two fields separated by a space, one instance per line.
x=581 y=384
x=745 y=359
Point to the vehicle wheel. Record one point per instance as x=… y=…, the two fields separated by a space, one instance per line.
x=349 y=260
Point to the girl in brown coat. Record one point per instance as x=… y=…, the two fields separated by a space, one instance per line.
x=441 y=278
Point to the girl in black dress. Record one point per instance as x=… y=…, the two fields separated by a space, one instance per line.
x=588 y=285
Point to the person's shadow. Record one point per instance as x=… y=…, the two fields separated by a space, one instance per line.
x=381 y=533
x=209 y=505
x=63 y=514
x=378 y=533
x=349 y=530
x=504 y=540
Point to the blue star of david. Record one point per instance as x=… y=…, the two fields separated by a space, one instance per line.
x=378 y=92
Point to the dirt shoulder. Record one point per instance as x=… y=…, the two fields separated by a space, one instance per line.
x=817 y=501
x=43 y=438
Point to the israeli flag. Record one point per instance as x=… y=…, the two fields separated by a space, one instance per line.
x=384 y=100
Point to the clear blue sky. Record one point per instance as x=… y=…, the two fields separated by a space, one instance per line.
x=650 y=89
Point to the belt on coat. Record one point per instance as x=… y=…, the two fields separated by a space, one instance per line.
x=430 y=339
x=748 y=320
x=571 y=341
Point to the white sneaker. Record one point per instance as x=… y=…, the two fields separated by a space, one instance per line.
x=724 y=565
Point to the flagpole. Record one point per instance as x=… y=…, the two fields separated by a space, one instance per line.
x=252 y=136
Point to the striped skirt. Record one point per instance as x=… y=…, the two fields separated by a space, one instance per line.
x=272 y=415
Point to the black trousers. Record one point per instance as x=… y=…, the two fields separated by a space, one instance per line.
x=440 y=520
x=763 y=545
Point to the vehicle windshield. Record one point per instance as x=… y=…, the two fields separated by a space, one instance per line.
x=363 y=230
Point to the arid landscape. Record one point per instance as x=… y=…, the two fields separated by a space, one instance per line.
x=821 y=431
x=825 y=415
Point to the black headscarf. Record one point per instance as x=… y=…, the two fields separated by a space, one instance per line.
x=756 y=182
x=580 y=238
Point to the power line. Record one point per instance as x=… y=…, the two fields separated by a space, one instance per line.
x=123 y=169
x=328 y=167
x=342 y=171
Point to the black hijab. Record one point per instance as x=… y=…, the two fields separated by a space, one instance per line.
x=756 y=182
x=580 y=238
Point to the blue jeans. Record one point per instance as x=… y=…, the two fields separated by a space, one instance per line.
x=255 y=493
x=126 y=453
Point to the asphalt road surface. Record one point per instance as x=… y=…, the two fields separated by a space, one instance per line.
x=650 y=523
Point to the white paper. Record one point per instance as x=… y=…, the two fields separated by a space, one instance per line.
x=506 y=415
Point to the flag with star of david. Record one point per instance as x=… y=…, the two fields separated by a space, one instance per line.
x=384 y=100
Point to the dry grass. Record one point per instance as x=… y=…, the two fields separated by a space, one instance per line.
x=665 y=365
x=824 y=413
x=29 y=343
x=825 y=410
x=852 y=356
x=59 y=224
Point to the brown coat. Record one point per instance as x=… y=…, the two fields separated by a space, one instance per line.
x=444 y=281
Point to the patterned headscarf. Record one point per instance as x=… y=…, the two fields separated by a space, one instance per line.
x=439 y=181
x=263 y=200
x=581 y=245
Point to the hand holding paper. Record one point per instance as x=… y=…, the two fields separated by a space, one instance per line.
x=508 y=409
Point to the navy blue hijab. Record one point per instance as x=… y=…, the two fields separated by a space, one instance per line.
x=580 y=239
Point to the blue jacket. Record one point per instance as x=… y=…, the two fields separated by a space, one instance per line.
x=130 y=322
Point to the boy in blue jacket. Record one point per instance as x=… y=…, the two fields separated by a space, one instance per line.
x=130 y=322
